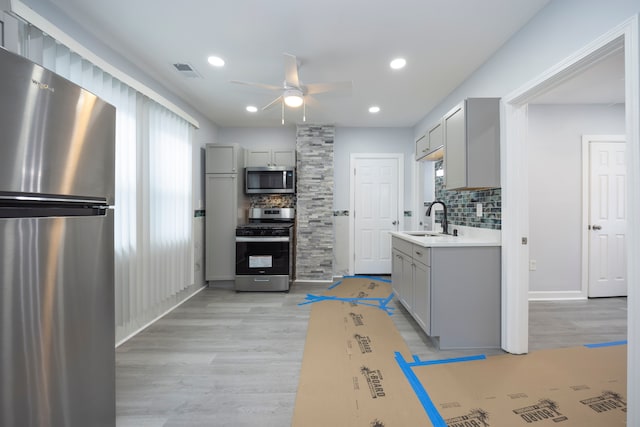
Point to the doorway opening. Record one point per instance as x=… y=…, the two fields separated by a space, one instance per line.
x=376 y=189
x=514 y=163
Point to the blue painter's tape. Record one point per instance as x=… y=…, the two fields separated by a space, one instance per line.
x=446 y=361
x=421 y=393
x=606 y=344
x=335 y=284
x=380 y=303
x=389 y=298
x=379 y=279
x=385 y=302
x=310 y=298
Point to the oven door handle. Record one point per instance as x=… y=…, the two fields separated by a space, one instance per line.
x=262 y=239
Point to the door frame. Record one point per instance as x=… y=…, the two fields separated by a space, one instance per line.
x=586 y=196
x=354 y=157
x=515 y=202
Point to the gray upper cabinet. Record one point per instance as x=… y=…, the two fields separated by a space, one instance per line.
x=436 y=141
x=422 y=146
x=223 y=158
x=472 y=144
x=270 y=157
x=428 y=147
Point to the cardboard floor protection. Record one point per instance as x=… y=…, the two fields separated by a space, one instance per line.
x=358 y=371
x=349 y=375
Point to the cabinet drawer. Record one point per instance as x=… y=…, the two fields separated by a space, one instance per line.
x=403 y=246
x=422 y=254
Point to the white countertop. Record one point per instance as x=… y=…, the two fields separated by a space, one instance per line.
x=467 y=237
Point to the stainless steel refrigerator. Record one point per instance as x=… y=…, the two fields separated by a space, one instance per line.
x=57 y=333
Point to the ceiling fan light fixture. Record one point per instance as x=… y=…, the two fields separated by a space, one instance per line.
x=293 y=98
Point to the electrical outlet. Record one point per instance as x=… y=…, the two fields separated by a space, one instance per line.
x=478 y=209
x=533 y=264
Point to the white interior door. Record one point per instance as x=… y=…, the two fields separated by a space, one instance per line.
x=376 y=213
x=607 y=219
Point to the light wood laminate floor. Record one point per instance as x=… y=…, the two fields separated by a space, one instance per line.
x=232 y=359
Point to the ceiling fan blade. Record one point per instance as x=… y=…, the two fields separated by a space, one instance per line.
x=310 y=101
x=291 y=70
x=260 y=85
x=272 y=103
x=315 y=88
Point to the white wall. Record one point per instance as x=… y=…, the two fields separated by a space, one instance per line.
x=555 y=190
x=370 y=140
x=278 y=137
x=364 y=140
x=560 y=29
x=347 y=141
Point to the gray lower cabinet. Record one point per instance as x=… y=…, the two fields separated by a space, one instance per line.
x=402 y=272
x=226 y=206
x=422 y=295
x=221 y=222
x=453 y=293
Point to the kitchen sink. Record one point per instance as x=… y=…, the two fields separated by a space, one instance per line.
x=424 y=233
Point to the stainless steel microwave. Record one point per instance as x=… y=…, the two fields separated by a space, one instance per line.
x=270 y=180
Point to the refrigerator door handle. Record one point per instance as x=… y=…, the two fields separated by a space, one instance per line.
x=52 y=199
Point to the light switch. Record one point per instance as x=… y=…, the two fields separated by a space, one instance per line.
x=478 y=209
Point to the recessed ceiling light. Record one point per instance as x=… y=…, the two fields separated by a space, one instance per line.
x=252 y=109
x=398 y=63
x=374 y=109
x=216 y=61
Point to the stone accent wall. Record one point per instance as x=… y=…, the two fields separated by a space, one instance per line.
x=461 y=205
x=314 y=211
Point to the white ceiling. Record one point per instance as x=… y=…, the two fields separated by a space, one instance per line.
x=443 y=41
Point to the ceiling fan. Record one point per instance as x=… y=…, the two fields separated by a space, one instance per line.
x=292 y=92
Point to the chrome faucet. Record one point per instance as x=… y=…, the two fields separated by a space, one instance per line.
x=445 y=224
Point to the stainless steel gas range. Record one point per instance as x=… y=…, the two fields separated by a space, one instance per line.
x=264 y=250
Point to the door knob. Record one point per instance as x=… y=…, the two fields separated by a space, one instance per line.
x=395 y=223
x=597 y=227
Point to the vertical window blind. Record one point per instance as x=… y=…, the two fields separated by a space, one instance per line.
x=153 y=213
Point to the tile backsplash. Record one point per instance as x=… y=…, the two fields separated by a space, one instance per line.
x=272 y=200
x=461 y=205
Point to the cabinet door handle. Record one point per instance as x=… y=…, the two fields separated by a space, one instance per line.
x=596 y=227
x=418 y=253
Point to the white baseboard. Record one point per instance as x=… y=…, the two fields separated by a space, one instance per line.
x=556 y=295
x=313 y=282
x=137 y=331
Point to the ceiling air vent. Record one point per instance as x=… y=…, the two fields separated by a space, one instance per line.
x=187 y=70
